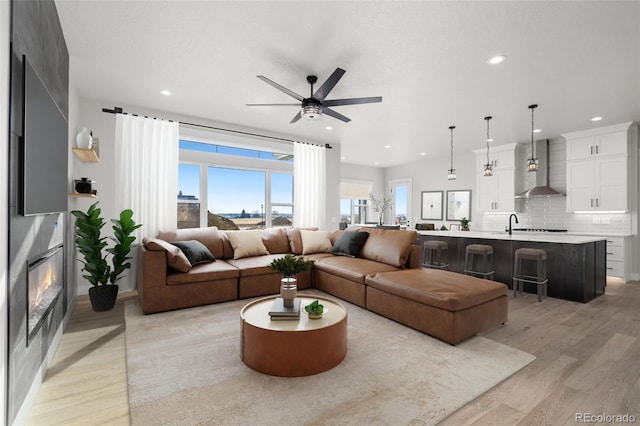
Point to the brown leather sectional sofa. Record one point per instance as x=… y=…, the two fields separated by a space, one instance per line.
x=386 y=277
x=162 y=288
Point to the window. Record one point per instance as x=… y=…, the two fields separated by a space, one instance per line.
x=353 y=201
x=281 y=199
x=238 y=193
x=237 y=196
x=401 y=188
x=231 y=150
x=188 y=196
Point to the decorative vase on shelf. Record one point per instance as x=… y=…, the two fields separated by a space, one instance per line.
x=288 y=290
x=83 y=139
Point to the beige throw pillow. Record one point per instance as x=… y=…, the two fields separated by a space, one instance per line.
x=315 y=241
x=247 y=243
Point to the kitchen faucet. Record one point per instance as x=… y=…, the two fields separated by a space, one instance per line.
x=514 y=216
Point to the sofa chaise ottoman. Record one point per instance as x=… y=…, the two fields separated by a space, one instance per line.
x=443 y=304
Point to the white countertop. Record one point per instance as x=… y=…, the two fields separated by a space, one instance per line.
x=543 y=237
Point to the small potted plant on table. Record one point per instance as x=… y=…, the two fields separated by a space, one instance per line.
x=289 y=266
x=464 y=224
x=314 y=309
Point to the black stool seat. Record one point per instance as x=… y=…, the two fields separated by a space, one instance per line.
x=472 y=265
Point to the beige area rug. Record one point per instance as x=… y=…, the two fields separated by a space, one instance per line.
x=184 y=368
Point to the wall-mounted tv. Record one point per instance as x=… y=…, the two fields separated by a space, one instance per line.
x=44 y=149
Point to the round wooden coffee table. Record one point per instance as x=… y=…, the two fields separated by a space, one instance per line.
x=293 y=348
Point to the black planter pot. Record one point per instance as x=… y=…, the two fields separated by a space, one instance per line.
x=103 y=297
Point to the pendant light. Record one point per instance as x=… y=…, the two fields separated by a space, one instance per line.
x=488 y=168
x=532 y=163
x=452 y=171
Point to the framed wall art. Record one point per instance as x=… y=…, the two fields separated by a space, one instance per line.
x=458 y=205
x=432 y=205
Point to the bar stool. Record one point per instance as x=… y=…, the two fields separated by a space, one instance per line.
x=540 y=279
x=433 y=255
x=470 y=260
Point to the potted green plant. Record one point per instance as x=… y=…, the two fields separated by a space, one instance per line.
x=288 y=266
x=314 y=309
x=464 y=224
x=93 y=248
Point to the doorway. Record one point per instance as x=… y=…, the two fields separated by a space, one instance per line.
x=401 y=207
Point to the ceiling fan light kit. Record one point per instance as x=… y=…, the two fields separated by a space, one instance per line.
x=315 y=106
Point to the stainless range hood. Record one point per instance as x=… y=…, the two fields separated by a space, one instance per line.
x=542 y=188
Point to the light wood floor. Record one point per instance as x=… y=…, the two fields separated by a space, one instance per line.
x=587 y=360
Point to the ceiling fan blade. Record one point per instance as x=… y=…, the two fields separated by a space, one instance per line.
x=296 y=118
x=332 y=113
x=296 y=105
x=352 y=101
x=281 y=88
x=328 y=85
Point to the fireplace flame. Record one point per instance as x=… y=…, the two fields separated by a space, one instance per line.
x=47 y=281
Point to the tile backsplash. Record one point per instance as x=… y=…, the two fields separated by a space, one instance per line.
x=550 y=213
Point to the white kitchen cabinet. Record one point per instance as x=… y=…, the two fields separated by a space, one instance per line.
x=597 y=146
x=597 y=184
x=500 y=158
x=598 y=168
x=496 y=193
x=616 y=257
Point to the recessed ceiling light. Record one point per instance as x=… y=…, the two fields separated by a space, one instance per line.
x=376 y=163
x=165 y=92
x=537 y=130
x=596 y=119
x=328 y=128
x=343 y=158
x=387 y=146
x=496 y=59
x=423 y=153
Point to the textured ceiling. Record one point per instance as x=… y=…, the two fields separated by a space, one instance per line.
x=428 y=60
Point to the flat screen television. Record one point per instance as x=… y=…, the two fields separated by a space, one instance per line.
x=44 y=149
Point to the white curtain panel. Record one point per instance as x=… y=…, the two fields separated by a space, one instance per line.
x=309 y=185
x=147 y=172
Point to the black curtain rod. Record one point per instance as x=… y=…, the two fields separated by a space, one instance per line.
x=118 y=110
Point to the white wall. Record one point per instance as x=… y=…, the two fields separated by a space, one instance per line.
x=333 y=188
x=5 y=37
x=73 y=204
x=430 y=174
x=102 y=125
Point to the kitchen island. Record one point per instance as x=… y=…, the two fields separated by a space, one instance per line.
x=576 y=264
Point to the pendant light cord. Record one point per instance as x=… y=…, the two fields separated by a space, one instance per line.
x=533 y=153
x=451 y=128
x=487 y=118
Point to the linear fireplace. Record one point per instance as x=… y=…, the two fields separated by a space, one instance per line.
x=44 y=285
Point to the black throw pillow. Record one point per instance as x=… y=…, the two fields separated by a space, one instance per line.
x=349 y=243
x=195 y=251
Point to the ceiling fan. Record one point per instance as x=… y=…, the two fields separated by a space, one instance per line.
x=315 y=105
